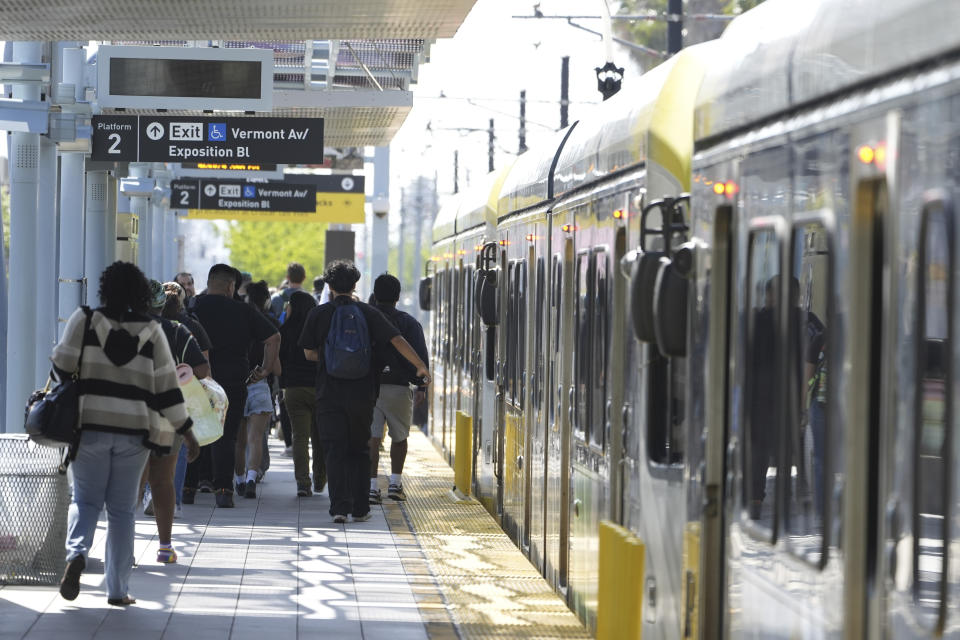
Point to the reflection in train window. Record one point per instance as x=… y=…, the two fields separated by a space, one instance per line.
x=933 y=411
x=536 y=393
x=555 y=297
x=521 y=315
x=509 y=375
x=583 y=356
x=808 y=396
x=763 y=377
x=601 y=346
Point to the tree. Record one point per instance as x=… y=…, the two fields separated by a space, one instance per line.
x=266 y=248
x=653 y=33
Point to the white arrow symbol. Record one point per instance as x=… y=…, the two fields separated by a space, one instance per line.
x=155 y=131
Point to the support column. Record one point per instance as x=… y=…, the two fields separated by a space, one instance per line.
x=161 y=224
x=140 y=207
x=45 y=294
x=99 y=252
x=379 y=246
x=24 y=154
x=72 y=282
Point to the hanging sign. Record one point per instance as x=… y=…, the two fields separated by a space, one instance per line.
x=208 y=139
x=300 y=198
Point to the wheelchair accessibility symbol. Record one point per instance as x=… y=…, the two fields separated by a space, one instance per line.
x=249 y=191
x=217 y=131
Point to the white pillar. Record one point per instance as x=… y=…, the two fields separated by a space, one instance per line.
x=98 y=252
x=140 y=207
x=160 y=214
x=71 y=236
x=21 y=325
x=73 y=284
x=379 y=246
x=46 y=261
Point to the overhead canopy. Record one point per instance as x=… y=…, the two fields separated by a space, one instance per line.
x=230 y=19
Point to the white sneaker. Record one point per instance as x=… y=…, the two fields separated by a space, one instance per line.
x=178 y=511
x=147 y=502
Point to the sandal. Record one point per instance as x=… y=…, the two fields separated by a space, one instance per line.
x=122 y=602
x=166 y=555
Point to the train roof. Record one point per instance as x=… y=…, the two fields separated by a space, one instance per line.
x=786 y=53
x=528 y=184
x=648 y=120
x=480 y=200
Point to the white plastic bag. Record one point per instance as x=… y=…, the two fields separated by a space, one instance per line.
x=207 y=405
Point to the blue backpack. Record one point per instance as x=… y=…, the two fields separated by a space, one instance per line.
x=347 y=349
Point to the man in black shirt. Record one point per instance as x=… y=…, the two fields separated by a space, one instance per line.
x=395 y=403
x=345 y=406
x=233 y=327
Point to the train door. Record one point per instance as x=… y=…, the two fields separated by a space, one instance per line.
x=554 y=411
x=539 y=397
x=918 y=508
x=513 y=392
x=485 y=429
x=712 y=226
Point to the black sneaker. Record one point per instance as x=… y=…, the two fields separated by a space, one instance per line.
x=375 y=497
x=240 y=488
x=339 y=519
x=225 y=499
x=188 y=496
x=304 y=492
x=250 y=490
x=205 y=486
x=395 y=492
x=70 y=582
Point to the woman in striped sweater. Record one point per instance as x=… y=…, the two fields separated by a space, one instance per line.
x=130 y=405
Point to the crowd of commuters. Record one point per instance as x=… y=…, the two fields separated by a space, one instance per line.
x=327 y=369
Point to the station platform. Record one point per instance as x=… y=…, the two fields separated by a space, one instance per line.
x=278 y=567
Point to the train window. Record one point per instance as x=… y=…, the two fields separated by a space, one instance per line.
x=521 y=368
x=807 y=373
x=583 y=358
x=555 y=291
x=762 y=434
x=601 y=346
x=933 y=411
x=469 y=319
x=511 y=355
x=536 y=393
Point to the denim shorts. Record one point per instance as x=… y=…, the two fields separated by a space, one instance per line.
x=259 y=399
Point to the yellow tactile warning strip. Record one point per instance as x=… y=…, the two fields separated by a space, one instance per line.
x=490 y=589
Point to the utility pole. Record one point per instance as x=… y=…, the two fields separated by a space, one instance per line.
x=456 y=169
x=674 y=26
x=490 y=147
x=564 y=91
x=523 y=122
x=401 y=254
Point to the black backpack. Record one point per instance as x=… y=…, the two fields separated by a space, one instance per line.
x=394 y=368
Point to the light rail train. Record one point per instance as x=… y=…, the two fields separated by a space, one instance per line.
x=722 y=312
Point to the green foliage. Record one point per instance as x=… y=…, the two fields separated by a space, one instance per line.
x=266 y=248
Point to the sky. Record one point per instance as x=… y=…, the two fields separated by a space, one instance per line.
x=481 y=71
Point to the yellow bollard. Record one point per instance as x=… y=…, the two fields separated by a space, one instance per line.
x=463 y=461
x=620 y=588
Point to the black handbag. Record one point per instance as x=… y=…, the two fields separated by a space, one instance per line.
x=53 y=415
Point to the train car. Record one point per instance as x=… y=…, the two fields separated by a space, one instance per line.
x=748 y=358
x=822 y=323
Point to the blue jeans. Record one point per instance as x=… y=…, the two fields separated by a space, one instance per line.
x=106 y=472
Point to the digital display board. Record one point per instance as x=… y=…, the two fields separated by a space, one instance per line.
x=172 y=78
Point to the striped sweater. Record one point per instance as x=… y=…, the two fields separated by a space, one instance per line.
x=128 y=378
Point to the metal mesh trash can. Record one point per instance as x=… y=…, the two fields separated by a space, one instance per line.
x=33 y=512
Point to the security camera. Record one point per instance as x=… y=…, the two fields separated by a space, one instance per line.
x=381 y=206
